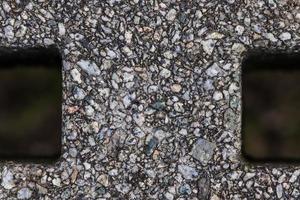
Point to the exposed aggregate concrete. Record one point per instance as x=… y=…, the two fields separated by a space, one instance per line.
x=143 y=82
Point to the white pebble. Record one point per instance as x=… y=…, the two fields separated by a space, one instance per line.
x=285 y=36
x=61 y=29
x=76 y=75
x=24 y=193
x=218 y=95
x=171 y=15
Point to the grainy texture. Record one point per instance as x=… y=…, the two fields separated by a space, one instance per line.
x=143 y=81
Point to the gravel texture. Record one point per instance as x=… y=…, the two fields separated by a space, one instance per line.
x=151 y=97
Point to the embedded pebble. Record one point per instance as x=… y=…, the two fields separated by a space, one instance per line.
x=187 y=172
x=24 y=193
x=89 y=67
x=203 y=150
x=7 y=179
x=285 y=36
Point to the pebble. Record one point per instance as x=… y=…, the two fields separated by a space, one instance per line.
x=279 y=190
x=176 y=88
x=187 y=172
x=285 y=36
x=217 y=96
x=165 y=73
x=294 y=176
x=79 y=93
x=152 y=144
x=203 y=150
x=89 y=67
x=171 y=15
x=239 y=29
x=7 y=179
x=185 y=189
x=61 y=29
x=76 y=75
x=24 y=193
x=213 y=70
x=208 y=46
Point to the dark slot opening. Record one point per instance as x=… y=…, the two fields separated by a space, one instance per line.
x=271 y=107
x=30 y=104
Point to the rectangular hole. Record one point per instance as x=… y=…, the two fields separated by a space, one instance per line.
x=30 y=104
x=271 y=107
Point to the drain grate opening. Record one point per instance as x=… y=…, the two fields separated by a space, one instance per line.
x=30 y=104
x=271 y=107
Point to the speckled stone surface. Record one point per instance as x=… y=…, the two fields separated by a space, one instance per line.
x=151 y=97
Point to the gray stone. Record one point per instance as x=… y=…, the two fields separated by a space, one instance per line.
x=185 y=189
x=203 y=187
x=24 y=193
x=203 y=150
x=187 y=172
x=7 y=179
x=171 y=15
x=89 y=67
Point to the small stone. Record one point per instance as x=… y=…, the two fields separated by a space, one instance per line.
x=61 y=29
x=73 y=152
x=294 y=176
x=248 y=176
x=79 y=93
x=285 y=36
x=208 y=46
x=271 y=37
x=6 y=7
x=185 y=189
x=111 y=54
x=21 y=31
x=203 y=150
x=178 y=107
x=203 y=187
x=152 y=144
x=74 y=175
x=214 y=35
x=238 y=48
x=89 y=67
x=92 y=141
x=165 y=73
x=128 y=36
x=139 y=118
x=24 y=193
x=217 y=95
x=89 y=111
x=123 y=188
x=176 y=88
x=169 y=196
x=7 y=179
x=48 y=41
x=103 y=180
x=41 y=189
x=213 y=70
x=208 y=85
x=56 y=182
x=298 y=16
x=9 y=32
x=72 y=109
x=159 y=105
x=106 y=64
x=239 y=29
x=187 y=172
x=279 y=191
x=76 y=75
x=127 y=51
x=171 y=15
